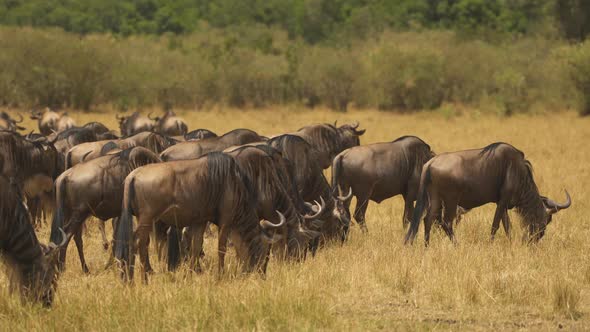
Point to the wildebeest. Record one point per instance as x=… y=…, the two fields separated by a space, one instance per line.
x=32 y=165
x=380 y=171
x=88 y=151
x=47 y=120
x=170 y=124
x=94 y=188
x=312 y=184
x=8 y=123
x=330 y=140
x=196 y=149
x=498 y=173
x=190 y=193
x=134 y=124
x=32 y=265
x=264 y=170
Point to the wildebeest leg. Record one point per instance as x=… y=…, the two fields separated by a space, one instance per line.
x=360 y=209
x=506 y=224
x=80 y=246
x=434 y=212
x=74 y=226
x=408 y=211
x=500 y=211
x=197 y=234
x=111 y=259
x=450 y=212
x=143 y=242
x=103 y=234
x=222 y=246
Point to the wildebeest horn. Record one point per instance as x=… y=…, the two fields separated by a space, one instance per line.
x=41 y=139
x=553 y=206
x=336 y=123
x=320 y=209
x=149 y=117
x=21 y=118
x=347 y=197
x=64 y=238
x=355 y=125
x=119 y=117
x=265 y=224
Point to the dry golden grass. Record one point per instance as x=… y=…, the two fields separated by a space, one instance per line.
x=372 y=282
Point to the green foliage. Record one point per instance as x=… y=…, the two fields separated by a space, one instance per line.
x=312 y=20
x=259 y=67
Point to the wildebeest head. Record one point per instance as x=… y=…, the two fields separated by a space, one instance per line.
x=33 y=265
x=550 y=207
x=349 y=135
x=8 y=123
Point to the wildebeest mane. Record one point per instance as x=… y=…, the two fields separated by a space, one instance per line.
x=307 y=173
x=325 y=137
x=224 y=173
x=529 y=205
x=494 y=146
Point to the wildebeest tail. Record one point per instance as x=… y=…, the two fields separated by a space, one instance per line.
x=125 y=228
x=173 y=249
x=336 y=172
x=58 y=215
x=420 y=205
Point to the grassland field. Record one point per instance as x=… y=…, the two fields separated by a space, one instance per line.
x=372 y=282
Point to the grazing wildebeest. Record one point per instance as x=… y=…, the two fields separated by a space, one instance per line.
x=196 y=149
x=134 y=124
x=190 y=193
x=47 y=120
x=65 y=122
x=31 y=264
x=380 y=171
x=498 y=173
x=330 y=140
x=198 y=134
x=94 y=188
x=264 y=170
x=88 y=151
x=8 y=123
x=312 y=184
x=170 y=124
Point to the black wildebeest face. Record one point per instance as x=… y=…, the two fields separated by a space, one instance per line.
x=551 y=207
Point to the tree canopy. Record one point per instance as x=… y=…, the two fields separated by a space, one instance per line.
x=312 y=20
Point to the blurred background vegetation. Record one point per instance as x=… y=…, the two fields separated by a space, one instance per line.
x=504 y=56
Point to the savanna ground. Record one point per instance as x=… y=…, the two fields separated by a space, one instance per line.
x=371 y=282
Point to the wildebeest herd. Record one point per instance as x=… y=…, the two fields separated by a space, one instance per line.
x=268 y=196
